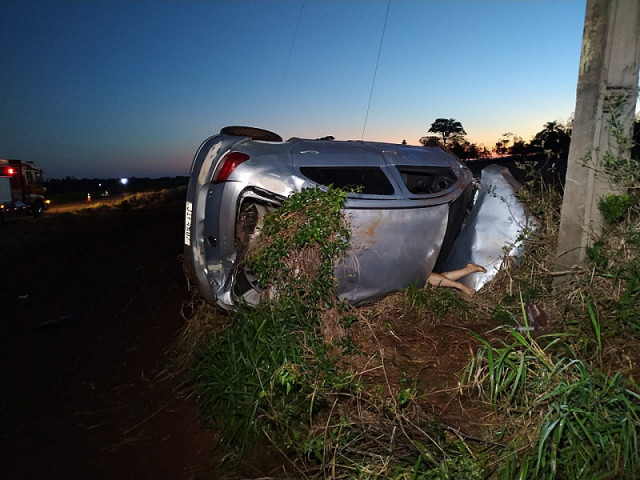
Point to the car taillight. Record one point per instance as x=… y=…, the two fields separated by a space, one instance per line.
x=227 y=165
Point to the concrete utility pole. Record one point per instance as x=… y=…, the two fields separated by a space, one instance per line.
x=609 y=65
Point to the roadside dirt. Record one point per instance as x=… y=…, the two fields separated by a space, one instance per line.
x=89 y=307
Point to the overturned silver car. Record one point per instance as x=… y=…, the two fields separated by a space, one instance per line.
x=410 y=206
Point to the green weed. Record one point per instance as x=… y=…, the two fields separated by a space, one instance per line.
x=302 y=240
x=614 y=208
x=439 y=301
x=589 y=421
x=267 y=373
x=628 y=307
x=256 y=375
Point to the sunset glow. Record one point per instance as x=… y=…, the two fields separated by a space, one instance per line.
x=108 y=88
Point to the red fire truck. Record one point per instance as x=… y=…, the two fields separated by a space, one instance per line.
x=21 y=190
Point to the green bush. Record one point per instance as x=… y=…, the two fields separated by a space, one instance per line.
x=265 y=375
x=614 y=208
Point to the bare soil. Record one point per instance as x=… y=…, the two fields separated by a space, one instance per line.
x=429 y=351
x=89 y=309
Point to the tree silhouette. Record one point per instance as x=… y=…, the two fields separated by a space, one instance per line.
x=553 y=140
x=519 y=146
x=447 y=127
x=463 y=149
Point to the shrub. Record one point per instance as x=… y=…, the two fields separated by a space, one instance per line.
x=614 y=208
x=266 y=374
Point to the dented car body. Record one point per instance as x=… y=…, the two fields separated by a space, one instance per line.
x=409 y=208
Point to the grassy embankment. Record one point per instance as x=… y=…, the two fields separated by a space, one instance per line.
x=426 y=384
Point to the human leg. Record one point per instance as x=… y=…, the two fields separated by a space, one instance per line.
x=463 y=272
x=438 y=280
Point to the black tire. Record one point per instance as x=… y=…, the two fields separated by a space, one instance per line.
x=251 y=132
x=37 y=209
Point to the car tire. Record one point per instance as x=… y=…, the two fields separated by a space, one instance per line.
x=37 y=209
x=251 y=132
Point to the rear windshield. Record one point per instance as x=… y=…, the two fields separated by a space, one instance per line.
x=367 y=180
x=426 y=180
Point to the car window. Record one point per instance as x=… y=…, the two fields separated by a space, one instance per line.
x=426 y=180
x=370 y=180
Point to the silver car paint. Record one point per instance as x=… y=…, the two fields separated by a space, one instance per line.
x=396 y=239
x=497 y=226
x=390 y=250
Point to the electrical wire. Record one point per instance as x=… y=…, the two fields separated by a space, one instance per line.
x=286 y=67
x=375 y=72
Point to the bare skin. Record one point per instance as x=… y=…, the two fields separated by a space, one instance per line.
x=449 y=279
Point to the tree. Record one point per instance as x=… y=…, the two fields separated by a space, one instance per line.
x=519 y=146
x=447 y=127
x=553 y=140
x=502 y=146
x=463 y=149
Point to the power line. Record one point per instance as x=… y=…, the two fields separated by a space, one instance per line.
x=375 y=72
x=286 y=67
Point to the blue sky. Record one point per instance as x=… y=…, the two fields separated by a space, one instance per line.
x=131 y=88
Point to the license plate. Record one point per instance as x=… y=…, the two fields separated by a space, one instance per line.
x=187 y=224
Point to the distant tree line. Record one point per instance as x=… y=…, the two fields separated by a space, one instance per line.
x=112 y=185
x=553 y=141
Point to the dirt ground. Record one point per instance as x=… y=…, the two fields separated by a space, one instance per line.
x=89 y=306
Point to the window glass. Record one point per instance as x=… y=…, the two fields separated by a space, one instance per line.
x=371 y=180
x=426 y=180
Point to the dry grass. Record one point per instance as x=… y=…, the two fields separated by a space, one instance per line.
x=137 y=201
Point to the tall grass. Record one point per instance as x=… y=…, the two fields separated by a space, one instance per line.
x=258 y=375
x=586 y=422
x=266 y=375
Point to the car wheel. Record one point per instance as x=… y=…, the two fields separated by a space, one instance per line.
x=37 y=209
x=248 y=227
x=251 y=132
